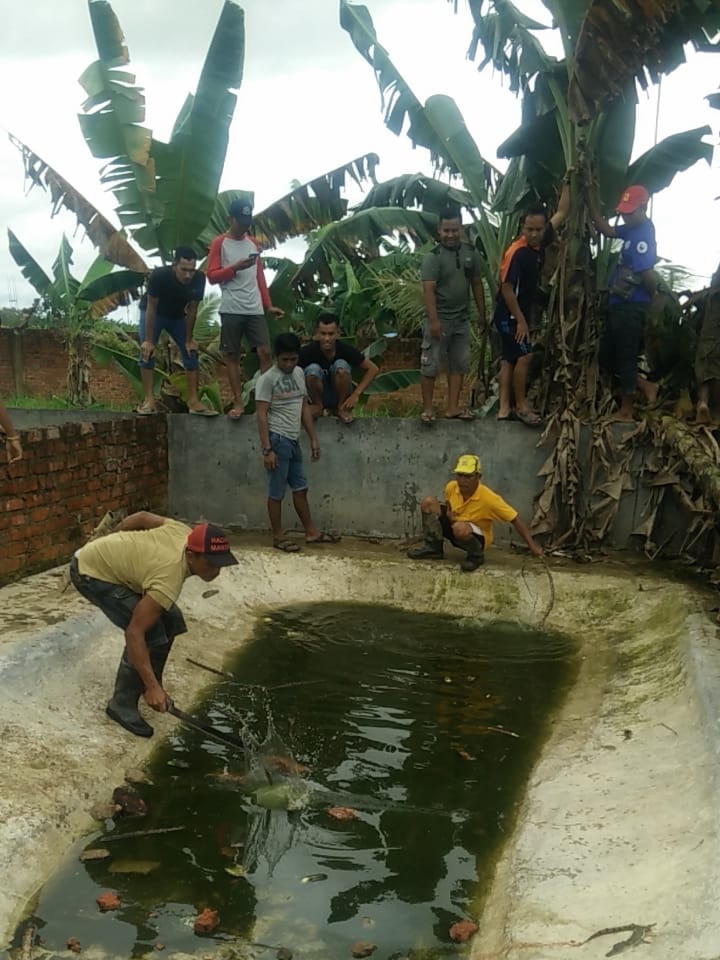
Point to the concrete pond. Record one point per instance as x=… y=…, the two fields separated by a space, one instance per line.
x=618 y=824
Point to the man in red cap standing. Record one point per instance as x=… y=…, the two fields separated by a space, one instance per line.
x=633 y=287
x=134 y=576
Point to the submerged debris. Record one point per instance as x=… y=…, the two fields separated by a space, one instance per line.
x=130 y=802
x=362 y=948
x=235 y=870
x=98 y=853
x=73 y=944
x=206 y=922
x=108 y=901
x=342 y=813
x=461 y=931
x=139 y=867
x=104 y=809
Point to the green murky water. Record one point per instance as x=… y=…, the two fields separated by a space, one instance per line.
x=426 y=726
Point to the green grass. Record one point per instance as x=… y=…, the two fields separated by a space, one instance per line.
x=53 y=402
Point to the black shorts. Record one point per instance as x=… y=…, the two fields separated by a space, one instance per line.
x=447 y=530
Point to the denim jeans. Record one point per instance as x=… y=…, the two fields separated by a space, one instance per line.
x=118 y=604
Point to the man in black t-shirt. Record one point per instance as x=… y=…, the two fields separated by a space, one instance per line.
x=519 y=272
x=171 y=302
x=328 y=364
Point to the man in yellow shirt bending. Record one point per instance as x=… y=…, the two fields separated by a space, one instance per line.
x=134 y=576
x=466 y=518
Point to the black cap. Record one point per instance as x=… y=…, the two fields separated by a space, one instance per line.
x=241 y=211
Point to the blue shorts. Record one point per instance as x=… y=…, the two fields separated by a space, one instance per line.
x=329 y=397
x=289 y=470
x=118 y=604
x=510 y=350
x=176 y=328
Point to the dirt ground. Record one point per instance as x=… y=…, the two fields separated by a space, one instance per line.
x=619 y=825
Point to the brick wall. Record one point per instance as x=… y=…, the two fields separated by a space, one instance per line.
x=404 y=354
x=52 y=499
x=44 y=370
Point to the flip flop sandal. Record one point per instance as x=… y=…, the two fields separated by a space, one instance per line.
x=145 y=411
x=464 y=415
x=510 y=416
x=528 y=418
x=235 y=414
x=324 y=537
x=346 y=418
x=287 y=546
x=427 y=419
x=203 y=413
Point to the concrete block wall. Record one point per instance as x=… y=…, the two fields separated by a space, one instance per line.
x=70 y=474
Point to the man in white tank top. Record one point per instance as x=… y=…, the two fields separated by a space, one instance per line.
x=234 y=263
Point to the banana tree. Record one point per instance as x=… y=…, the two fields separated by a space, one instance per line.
x=75 y=304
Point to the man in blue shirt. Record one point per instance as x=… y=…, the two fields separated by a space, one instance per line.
x=633 y=287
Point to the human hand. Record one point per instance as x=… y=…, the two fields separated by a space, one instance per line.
x=147 y=349
x=536 y=550
x=521 y=332
x=270 y=461
x=156 y=698
x=244 y=263
x=315 y=451
x=14 y=449
x=435 y=329
x=276 y=311
x=191 y=346
x=349 y=404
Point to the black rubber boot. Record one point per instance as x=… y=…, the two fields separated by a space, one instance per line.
x=123 y=707
x=432 y=549
x=474 y=557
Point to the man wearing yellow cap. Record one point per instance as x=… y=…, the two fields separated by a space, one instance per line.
x=466 y=518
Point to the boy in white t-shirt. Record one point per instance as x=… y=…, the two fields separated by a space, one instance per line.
x=282 y=409
x=234 y=262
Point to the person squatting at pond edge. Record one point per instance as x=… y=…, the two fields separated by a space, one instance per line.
x=633 y=288
x=466 y=518
x=171 y=303
x=448 y=272
x=520 y=270
x=282 y=409
x=328 y=364
x=12 y=440
x=134 y=576
x=234 y=262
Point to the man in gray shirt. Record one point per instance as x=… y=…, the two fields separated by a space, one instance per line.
x=449 y=272
x=282 y=408
x=234 y=262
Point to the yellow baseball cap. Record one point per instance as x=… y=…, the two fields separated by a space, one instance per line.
x=468 y=464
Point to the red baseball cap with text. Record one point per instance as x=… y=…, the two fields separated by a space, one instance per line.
x=212 y=542
x=632 y=198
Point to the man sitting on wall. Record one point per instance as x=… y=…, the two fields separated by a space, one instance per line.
x=466 y=518
x=135 y=576
x=328 y=364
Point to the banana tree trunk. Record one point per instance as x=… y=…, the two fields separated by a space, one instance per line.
x=78 y=372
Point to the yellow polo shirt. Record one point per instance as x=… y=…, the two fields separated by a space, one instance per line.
x=481 y=508
x=145 y=561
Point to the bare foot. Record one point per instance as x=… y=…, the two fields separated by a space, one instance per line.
x=703 y=413
x=620 y=416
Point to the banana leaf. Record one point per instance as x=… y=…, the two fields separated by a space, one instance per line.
x=128 y=366
x=393 y=380
x=438 y=126
x=306 y=207
x=105 y=237
x=656 y=168
x=359 y=238
x=416 y=190
x=29 y=267
x=618 y=46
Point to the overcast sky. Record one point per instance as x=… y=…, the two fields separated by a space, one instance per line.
x=308 y=103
